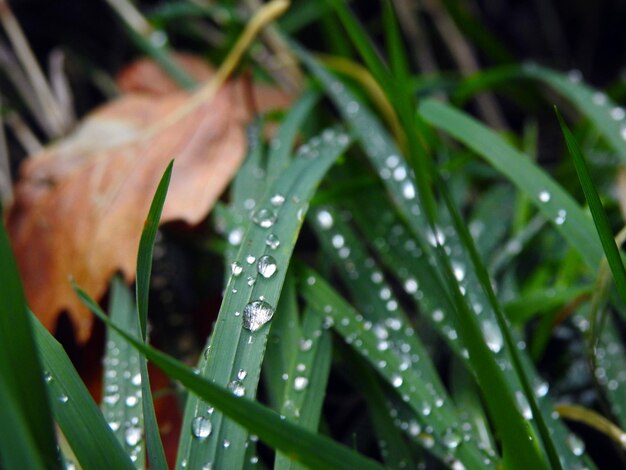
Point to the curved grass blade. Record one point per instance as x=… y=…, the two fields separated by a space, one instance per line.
x=238 y=342
x=306 y=382
x=597 y=211
x=122 y=394
x=608 y=118
x=20 y=367
x=300 y=444
x=547 y=195
x=84 y=426
x=424 y=402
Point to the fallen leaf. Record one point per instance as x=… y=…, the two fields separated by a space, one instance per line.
x=80 y=204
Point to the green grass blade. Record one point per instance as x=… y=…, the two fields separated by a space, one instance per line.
x=282 y=343
x=122 y=393
x=18 y=448
x=436 y=412
x=300 y=444
x=156 y=454
x=236 y=352
x=20 y=366
x=597 y=211
x=307 y=379
x=547 y=195
x=84 y=426
x=281 y=145
x=607 y=117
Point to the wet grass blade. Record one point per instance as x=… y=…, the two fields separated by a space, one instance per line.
x=597 y=210
x=546 y=194
x=89 y=435
x=307 y=377
x=122 y=394
x=300 y=444
x=20 y=365
x=425 y=402
x=239 y=338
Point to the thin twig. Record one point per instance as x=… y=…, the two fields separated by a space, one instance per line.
x=6 y=182
x=57 y=120
x=60 y=85
x=465 y=58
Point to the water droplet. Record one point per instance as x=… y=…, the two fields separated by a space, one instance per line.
x=132 y=435
x=544 y=196
x=451 y=439
x=226 y=443
x=201 y=427
x=158 y=39
x=136 y=380
x=111 y=399
x=250 y=281
x=599 y=98
x=306 y=344
x=542 y=388
x=396 y=380
x=337 y=240
x=250 y=259
x=408 y=190
x=618 y=113
x=325 y=219
x=576 y=444
x=47 y=377
x=237 y=388
x=235 y=236
x=256 y=314
x=114 y=425
x=249 y=204
x=493 y=335
x=459 y=271
x=300 y=383
x=63 y=398
x=560 y=217
x=267 y=266
x=236 y=268
x=272 y=241
x=353 y=107
x=264 y=218
x=437 y=315
x=131 y=401
x=277 y=200
x=522 y=404
x=575 y=76
x=207 y=350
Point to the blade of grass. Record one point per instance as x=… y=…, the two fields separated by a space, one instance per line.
x=306 y=382
x=300 y=444
x=89 y=435
x=597 y=210
x=122 y=376
x=20 y=366
x=237 y=351
x=547 y=195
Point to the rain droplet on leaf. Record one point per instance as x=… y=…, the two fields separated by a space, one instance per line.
x=267 y=266
x=256 y=314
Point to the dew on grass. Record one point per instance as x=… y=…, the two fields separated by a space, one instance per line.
x=236 y=268
x=618 y=113
x=306 y=344
x=437 y=315
x=544 y=196
x=522 y=405
x=396 y=380
x=576 y=445
x=337 y=241
x=250 y=259
x=136 y=380
x=492 y=335
x=272 y=241
x=264 y=218
x=132 y=435
x=277 y=200
x=235 y=236
x=237 y=388
x=256 y=314
x=300 y=383
x=242 y=374
x=131 y=401
x=408 y=190
x=599 y=98
x=325 y=219
x=63 y=398
x=267 y=266
x=451 y=438
x=561 y=216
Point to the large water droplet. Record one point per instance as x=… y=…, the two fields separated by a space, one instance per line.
x=201 y=427
x=272 y=241
x=237 y=388
x=236 y=268
x=267 y=266
x=132 y=435
x=256 y=314
x=493 y=336
x=264 y=218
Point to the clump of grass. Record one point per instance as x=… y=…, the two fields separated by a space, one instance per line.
x=349 y=257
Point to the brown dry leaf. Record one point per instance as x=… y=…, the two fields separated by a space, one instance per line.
x=81 y=204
